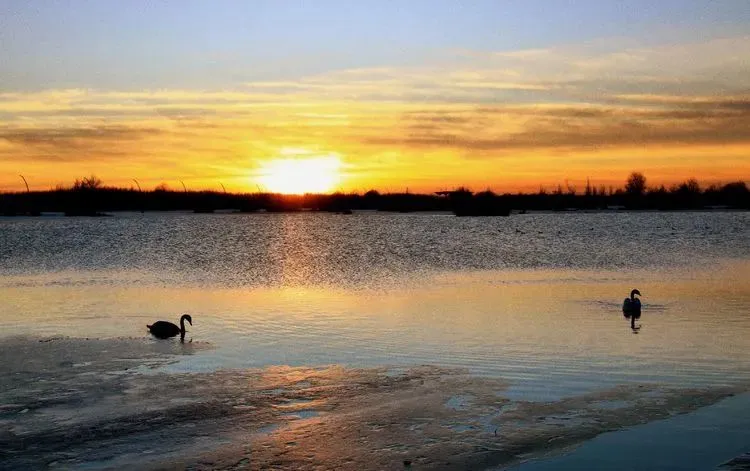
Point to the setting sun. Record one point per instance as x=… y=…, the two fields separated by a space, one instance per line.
x=299 y=175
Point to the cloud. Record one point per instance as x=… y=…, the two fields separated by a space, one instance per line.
x=575 y=127
x=482 y=105
x=60 y=136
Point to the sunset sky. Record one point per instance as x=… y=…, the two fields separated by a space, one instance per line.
x=386 y=94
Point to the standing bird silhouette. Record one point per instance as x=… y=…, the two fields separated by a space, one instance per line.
x=165 y=330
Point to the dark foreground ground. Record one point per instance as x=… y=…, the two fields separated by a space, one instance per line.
x=105 y=404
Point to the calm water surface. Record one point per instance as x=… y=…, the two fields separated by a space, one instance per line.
x=534 y=298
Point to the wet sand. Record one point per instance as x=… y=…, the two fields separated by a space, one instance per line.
x=106 y=404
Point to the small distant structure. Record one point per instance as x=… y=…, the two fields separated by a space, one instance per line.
x=449 y=192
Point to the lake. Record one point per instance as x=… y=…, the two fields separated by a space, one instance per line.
x=529 y=305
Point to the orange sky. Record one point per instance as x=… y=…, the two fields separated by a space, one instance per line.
x=502 y=120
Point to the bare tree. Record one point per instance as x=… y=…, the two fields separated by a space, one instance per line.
x=636 y=184
x=690 y=186
x=87 y=183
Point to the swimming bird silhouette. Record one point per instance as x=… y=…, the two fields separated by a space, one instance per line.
x=632 y=305
x=165 y=330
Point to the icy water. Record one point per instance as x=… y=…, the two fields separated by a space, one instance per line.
x=512 y=313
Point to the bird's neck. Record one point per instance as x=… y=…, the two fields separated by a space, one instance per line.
x=182 y=325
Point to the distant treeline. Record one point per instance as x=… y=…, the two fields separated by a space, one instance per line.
x=89 y=197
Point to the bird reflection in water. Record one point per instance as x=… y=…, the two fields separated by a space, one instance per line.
x=633 y=316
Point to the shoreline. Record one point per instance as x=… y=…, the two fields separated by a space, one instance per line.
x=234 y=211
